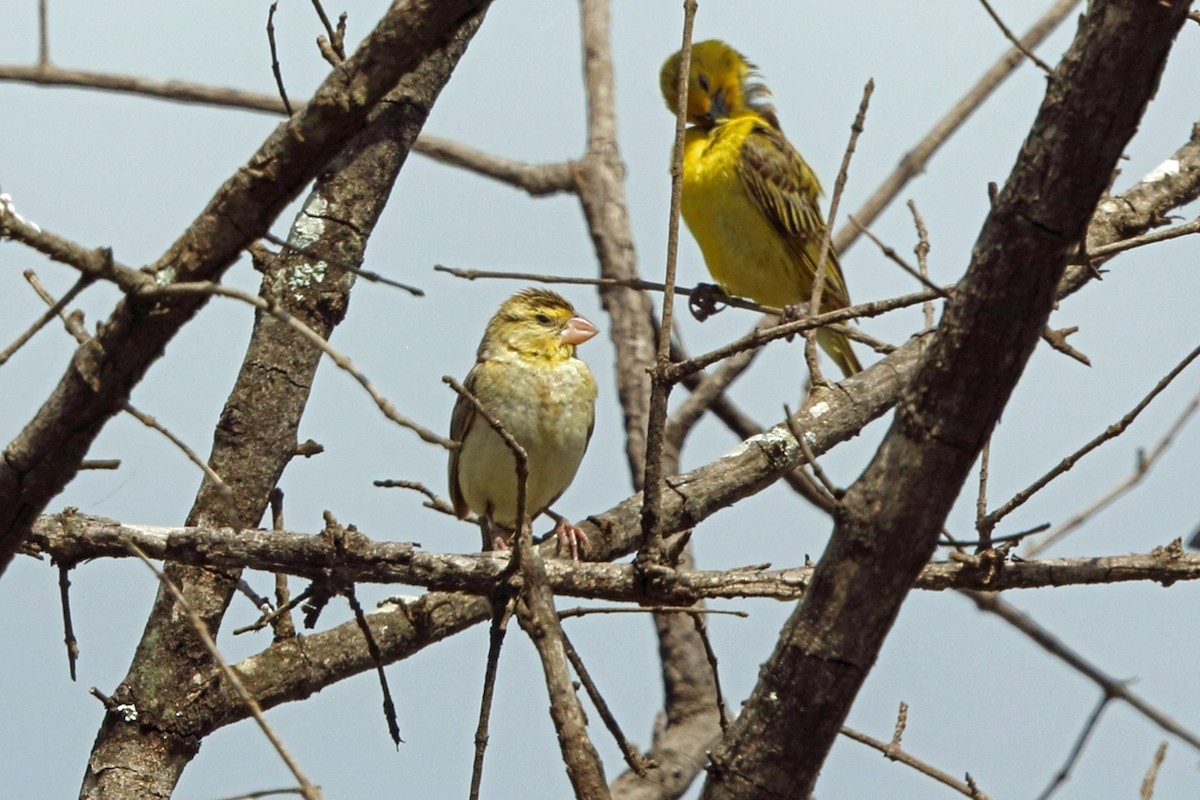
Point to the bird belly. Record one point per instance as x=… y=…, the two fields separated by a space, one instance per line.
x=744 y=254
x=549 y=412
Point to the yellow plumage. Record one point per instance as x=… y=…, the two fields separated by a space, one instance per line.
x=527 y=376
x=749 y=199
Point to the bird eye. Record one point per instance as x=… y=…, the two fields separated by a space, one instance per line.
x=704 y=83
x=543 y=319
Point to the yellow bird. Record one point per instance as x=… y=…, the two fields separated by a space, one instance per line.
x=527 y=376
x=749 y=199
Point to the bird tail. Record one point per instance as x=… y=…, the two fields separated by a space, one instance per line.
x=838 y=348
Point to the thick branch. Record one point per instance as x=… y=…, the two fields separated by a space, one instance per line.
x=890 y=519
x=46 y=454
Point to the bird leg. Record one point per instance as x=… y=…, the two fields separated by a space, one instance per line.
x=791 y=313
x=705 y=300
x=571 y=535
x=495 y=538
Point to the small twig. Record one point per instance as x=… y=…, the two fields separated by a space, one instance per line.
x=1042 y=65
x=1111 y=432
x=318 y=341
x=711 y=656
x=99 y=463
x=1147 y=792
x=1057 y=338
x=894 y=753
x=839 y=185
x=1142 y=466
x=261 y=793
x=1104 y=251
x=44 y=40
x=222 y=489
x=985 y=532
x=651 y=551
x=1064 y=771
x=538 y=180
x=365 y=274
x=501 y=613
x=282 y=624
x=890 y=253
x=283 y=610
x=309 y=791
x=915 y=160
x=434 y=502
x=921 y=249
x=389 y=706
x=287 y=106
x=632 y=757
x=583 y=611
x=1112 y=688
x=758 y=338
x=257 y=600
x=54 y=310
x=82 y=336
x=64 y=597
x=811 y=460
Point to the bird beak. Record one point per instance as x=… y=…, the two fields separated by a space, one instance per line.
x=718 y=110
x=578 y=331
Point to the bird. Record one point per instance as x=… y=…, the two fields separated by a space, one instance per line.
x=528 y=377
x=749 y=198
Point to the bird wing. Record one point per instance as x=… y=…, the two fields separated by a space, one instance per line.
x=461 y=421
x=785 y=190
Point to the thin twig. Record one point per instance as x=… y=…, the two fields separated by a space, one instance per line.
x=1111 y=432
x=309 y=791
x=54 y=310
x=1142 y=467
x=711 y=656
x=1042 y=65
x=921 y=249
x=64 y=598
x=1064 y=771
x=314 y=338
x=282 y=624
x=893 y=752
x=988 y=601
x=1147 y=791
x=43 y=34
x=365 y=274
x=758 y=338
x=99 y=463
x=839 y=186
x=798 y=434
x=389 y=705
x=985 y=532
x=501 y=613
x=632 y=757
x=651 y=552
x=81 y=336
x=915 y=160
x=287 y=107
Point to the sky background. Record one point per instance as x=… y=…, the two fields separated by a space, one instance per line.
x=132 y=173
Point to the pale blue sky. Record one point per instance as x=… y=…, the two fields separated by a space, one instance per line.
x=131 y=173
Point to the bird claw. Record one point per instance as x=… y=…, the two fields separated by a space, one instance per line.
x=791 y=313
x=573 y=536
x=705 y=300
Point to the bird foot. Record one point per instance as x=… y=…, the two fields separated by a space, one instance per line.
x=572 y=536
x=791 y=313
x=705 y=300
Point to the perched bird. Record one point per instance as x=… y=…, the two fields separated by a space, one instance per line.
x=749 y=199
x=527 y=376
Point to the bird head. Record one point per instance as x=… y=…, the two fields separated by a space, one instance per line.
x=536 y=323
x=721 y=85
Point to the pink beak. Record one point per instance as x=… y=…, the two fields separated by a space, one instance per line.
x=578 y=331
